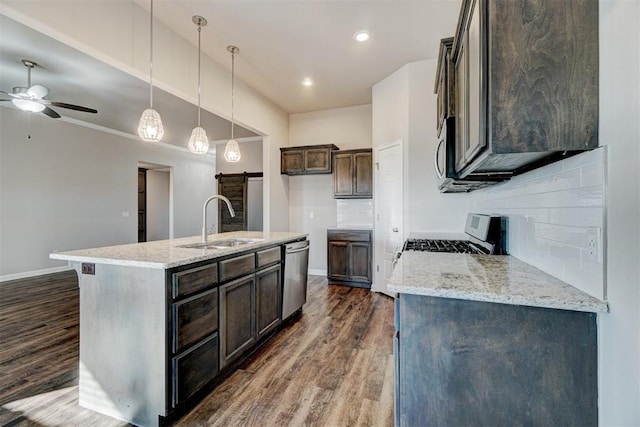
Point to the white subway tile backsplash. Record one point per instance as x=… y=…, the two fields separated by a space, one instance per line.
x=550 y=212
x=354 y=212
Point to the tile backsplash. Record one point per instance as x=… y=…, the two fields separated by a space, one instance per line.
x=556 y=218
x=354 y=212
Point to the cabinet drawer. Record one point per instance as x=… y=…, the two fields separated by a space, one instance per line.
x=194 y=319
x=238 y=266
x=349 y=235
x=194 y=369
x=269 y=256
x=190 y=281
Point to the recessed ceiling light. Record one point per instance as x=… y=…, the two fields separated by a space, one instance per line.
x=361 y=36
x=307 y=82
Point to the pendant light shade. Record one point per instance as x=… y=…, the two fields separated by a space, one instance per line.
x=232 y=150
x=150 y=127
x=199 y=143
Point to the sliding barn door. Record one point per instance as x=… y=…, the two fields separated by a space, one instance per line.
x=234 y=187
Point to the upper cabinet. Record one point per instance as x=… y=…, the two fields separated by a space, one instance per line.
x=526 y=83
x=445 y=83
x=306 y=160
x=353 y=174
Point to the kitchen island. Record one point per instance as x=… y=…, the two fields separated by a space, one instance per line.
x=162 y=322
x=491 y=340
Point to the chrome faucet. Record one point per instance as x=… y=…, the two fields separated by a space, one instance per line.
x=204 y=213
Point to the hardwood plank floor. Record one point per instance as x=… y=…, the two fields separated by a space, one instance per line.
x=332 y=367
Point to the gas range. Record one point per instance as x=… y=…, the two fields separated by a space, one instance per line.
x=485 y=234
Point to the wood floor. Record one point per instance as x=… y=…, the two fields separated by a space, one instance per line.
x=332 y=367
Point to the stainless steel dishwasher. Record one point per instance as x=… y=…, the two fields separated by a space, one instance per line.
x=296 y=264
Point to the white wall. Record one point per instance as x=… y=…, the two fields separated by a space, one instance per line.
x=250 y=160
x=68 y=186
x=619 y=331
x=120 y=38
x=158 y=186
x=312 y=195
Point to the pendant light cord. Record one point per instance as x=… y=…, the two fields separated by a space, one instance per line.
x=199 y=54
x=233 y=62
x=151 y=57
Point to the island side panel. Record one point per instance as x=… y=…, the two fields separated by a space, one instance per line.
x=123 y=342
x=480 y=363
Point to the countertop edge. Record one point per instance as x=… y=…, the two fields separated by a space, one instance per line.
x=600 y=307
x=202 y=254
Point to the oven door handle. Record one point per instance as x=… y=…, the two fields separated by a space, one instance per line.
x=435 y=160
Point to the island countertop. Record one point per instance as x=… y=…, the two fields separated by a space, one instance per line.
x=490 y=278
x=164 y=254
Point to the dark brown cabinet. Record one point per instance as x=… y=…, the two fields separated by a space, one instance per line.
x=463 y=363
x=194 y=330
x=526 y=83
x=444 y=87
x=353 y=174
x=349 y=256
x=306 y=160
x=268 y=299
x=237 y=317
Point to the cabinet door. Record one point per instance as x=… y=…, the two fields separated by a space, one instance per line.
x=363 y=175
x=237 y=318
x=462 y=125
x=268 y=291
x=343 y=174
x=476 y=97
x=337 y=260
x=194 y=319
x=317 y=160
x=292 y=162
x=360 y=262
x=193 y=369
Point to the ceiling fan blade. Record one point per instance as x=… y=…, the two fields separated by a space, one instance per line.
x=49 y=112
x=73 y=107
x=38 y=91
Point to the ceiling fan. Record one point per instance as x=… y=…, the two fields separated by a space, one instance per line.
x=32 y=98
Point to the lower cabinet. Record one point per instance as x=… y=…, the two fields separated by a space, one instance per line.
x=349 y=256
x=268 y=299
x=194 y=368
x=464 y=363
x=237 y=317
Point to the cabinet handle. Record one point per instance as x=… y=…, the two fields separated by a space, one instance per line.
x=395 y=229
x=435 y=160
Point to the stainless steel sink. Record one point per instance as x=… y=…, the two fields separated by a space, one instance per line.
x=222 y=244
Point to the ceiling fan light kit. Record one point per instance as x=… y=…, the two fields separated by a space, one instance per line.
x=199 y=143
x=32 y=98
x=232 y=150
x=150 y=127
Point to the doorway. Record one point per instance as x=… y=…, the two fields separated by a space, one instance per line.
x=388 y=212
x=156 y=217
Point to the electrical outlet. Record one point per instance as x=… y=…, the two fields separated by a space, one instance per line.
x=593 y=244
x=88 y=268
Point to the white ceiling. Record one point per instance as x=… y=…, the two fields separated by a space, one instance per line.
x=76 y=78
x=283 y=41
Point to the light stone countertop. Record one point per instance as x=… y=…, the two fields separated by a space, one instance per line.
x=164 y=254
x=490 y=278
x=359 y=227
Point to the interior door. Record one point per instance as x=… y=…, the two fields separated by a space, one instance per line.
x=388 y=212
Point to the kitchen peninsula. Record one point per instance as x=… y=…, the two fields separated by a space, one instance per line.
x=491 y=340
x=162 y=322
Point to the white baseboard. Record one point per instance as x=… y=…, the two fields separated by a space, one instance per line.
x=33 y=273
x=316 y=272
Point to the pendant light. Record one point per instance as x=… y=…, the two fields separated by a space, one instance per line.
x=199 y=143
x=232 y=150
x=150 y=127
